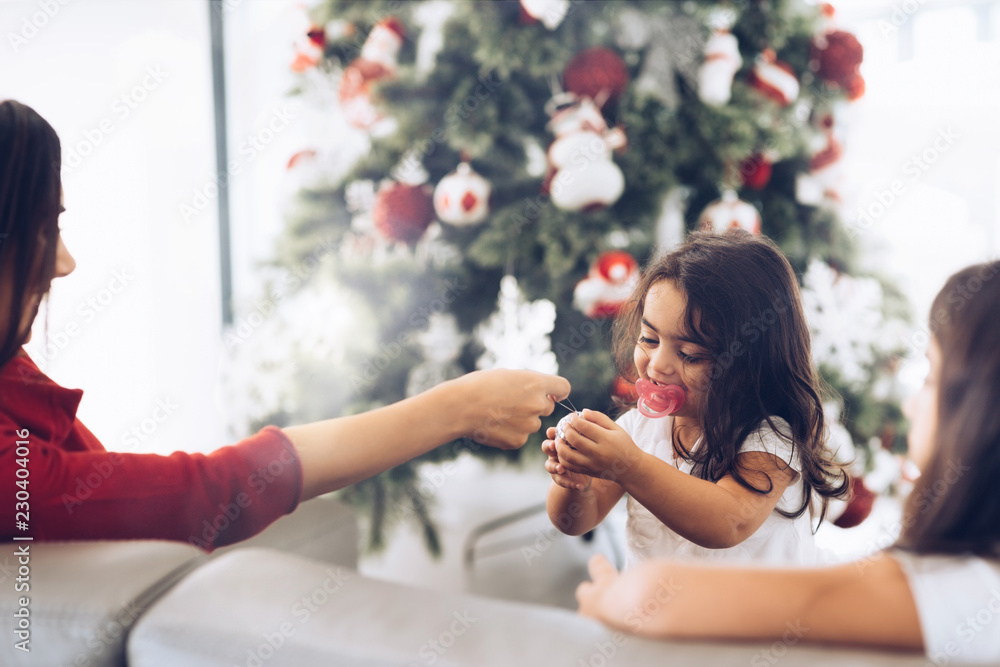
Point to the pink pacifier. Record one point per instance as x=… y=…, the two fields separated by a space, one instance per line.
x=657 y=401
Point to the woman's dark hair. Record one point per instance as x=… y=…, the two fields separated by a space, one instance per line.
x=955 y=504
x=743 y=306
x=30 y=185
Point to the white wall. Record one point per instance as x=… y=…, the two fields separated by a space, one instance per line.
x=147 y=144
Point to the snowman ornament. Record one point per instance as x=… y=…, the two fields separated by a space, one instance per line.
x=582 y=175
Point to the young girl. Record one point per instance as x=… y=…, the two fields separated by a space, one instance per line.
x=172 y=497
x=732 y=473
x=937 y=590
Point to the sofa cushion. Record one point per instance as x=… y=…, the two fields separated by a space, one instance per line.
x=257 y=608
x=323 y=529
x=85 y=596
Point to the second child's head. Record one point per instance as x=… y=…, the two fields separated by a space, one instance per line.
x=721 y=316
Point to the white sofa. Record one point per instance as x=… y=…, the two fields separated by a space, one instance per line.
x=292 y=596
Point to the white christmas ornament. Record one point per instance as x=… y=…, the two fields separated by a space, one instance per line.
x=730 y=212
x=583 y=173
x=517 y=334
x=722 y=61
x=845 y=319
x=462 y=197
x=441 y=343
x=550 y=12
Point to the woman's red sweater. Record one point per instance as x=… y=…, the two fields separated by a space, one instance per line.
x=74 y=489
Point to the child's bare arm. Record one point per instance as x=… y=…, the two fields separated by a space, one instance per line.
x=712 y=515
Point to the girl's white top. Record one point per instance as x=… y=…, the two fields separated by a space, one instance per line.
x=958 y=602
x=779 y=541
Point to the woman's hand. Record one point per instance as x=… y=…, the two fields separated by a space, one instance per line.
x=564 y=478
x=501 y=408
x=596 y=446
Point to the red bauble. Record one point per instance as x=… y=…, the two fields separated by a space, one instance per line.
x=859 y=506
x=837 y=57
x=596 y=73
x=403 y=212
x=616 y=266
x=608 y=285
x=755 y=172
x=317 y=36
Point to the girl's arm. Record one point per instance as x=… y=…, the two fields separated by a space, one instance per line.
x=499 y=408
x=864 y=603
x=576 y=503
x=714 y=515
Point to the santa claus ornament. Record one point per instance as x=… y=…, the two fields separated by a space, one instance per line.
x=722 y=61
x=403 y=212
x=730 y=212
x=608 y=284
x=462 y=197
x=582 y=175
x=774 y=78
x=377 y=62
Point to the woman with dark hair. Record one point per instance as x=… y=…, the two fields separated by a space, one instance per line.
x=936 y=590
x=731 y=473
x=171 y=497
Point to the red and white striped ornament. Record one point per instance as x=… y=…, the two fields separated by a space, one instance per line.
x=462 y=197
x=730 y=212
x=774 y=78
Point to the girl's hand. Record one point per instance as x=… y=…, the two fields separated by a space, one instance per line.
x=590 y=595
x=561 y=476
x=596 y=446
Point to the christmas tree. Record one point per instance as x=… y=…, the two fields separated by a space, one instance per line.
x=517 y=180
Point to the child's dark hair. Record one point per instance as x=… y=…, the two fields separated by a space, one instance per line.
x=954 y=507
x=743 y=306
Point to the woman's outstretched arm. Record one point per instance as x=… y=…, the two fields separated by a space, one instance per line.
x=866 y=603
x=498 y=408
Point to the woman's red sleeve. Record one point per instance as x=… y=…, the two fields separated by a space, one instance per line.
x=76 y=490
